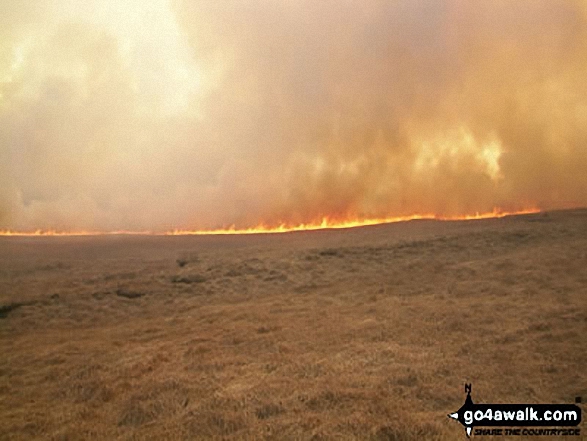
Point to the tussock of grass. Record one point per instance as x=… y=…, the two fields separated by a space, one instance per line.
x=129 y=294
x=188 y=279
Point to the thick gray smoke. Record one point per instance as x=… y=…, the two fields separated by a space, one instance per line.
x=202 y=114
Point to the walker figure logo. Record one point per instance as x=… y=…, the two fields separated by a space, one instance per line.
x=510 y=416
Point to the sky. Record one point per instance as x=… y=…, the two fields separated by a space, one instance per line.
x=187 y=114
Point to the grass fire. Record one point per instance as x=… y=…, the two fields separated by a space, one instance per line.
x=289 y=220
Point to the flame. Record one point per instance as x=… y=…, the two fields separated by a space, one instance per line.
x=50 y=233
x=324 y=224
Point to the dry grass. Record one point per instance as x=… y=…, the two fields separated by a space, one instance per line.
x=361 y=334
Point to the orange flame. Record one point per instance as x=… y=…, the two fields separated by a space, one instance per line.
x=47 y=233
x=326 y=223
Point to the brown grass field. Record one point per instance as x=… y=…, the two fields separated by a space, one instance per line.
x=368 y=333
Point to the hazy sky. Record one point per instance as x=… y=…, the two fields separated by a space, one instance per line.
x=128 y=114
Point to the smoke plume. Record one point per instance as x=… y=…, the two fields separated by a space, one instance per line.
x=201 y=114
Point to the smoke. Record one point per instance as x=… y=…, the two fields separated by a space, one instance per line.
x=202 y=114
